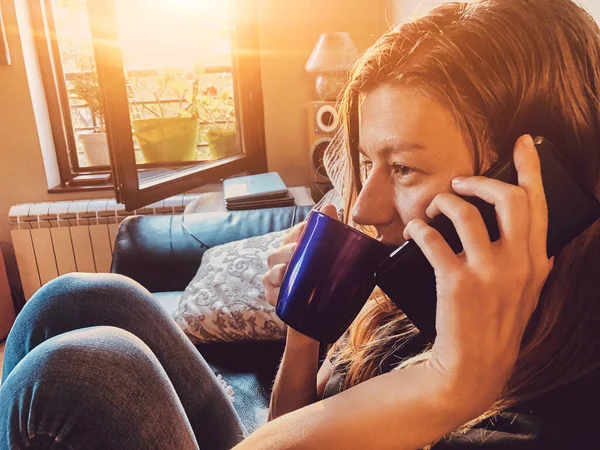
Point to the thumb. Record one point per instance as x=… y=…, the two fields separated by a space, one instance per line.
x=330 y=210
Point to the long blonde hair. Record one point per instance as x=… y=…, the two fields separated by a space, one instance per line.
x=504 y=68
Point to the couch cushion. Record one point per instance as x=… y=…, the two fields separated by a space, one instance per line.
x=163 y=253
x=225 y=302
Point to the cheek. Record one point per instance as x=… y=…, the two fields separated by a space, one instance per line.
x=411 y=203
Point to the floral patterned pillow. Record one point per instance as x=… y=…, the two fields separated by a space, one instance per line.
x=226 y=299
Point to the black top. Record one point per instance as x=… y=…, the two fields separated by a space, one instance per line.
x=567 y=417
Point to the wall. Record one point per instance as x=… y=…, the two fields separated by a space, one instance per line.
x=593 y=7
x=288 y=32
x=22 y=174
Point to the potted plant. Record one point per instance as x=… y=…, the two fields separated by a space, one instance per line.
x=164 y=136
x=216 y=108
x=84 y=86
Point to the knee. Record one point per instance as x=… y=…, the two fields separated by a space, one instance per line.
x=97 y=373
x=71 y=292
x=105 y=348
x=95 y=360
x=74 y=284
x=75 y=301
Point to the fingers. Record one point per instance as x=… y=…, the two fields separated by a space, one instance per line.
x=432 y=244
x=522 y=210
x=527 y=162
x=468 y=222
x=295 y=234
x=281 y=256
x=330 y=210
x=512 y=209
x=272 y=282
x=278 y=261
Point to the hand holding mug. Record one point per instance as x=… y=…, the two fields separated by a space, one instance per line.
x=278 y=261
x=327 y=279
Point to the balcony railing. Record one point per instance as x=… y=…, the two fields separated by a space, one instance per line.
x=83 y=120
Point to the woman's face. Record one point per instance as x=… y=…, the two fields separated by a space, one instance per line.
x=411 y=149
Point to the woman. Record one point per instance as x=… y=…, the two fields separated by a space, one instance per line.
x=443 y=96
x=431 y=104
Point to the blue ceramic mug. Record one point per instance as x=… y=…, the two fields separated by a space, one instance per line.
x=329 y=278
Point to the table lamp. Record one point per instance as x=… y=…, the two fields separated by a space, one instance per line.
x=331 y=58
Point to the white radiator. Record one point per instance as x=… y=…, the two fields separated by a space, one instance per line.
x=51 y=239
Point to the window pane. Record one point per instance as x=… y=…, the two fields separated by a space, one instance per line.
x=178 y=67
x=74 y=41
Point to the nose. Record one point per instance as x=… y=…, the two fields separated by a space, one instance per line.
x=375 y=204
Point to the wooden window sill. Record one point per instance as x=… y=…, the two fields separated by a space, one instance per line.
x=60 y=189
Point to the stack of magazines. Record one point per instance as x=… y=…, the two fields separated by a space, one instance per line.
x=266 y=190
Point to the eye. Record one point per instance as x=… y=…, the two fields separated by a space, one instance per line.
x=401 y=170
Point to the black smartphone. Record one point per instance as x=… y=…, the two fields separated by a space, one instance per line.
x=408 y=279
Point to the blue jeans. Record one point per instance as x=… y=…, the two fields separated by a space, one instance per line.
x=94 y=362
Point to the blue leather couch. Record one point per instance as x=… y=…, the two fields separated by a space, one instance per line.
x=163 y=255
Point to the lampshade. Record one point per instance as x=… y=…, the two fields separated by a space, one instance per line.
x=333 y=52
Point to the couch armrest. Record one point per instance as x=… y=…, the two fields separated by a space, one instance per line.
x=161 y=255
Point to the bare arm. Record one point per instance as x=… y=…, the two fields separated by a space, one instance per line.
x=399 y=410
x=296 y=382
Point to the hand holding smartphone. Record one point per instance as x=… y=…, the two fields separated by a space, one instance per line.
x=407 y=277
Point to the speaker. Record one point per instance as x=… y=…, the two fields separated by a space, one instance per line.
x=323 y=122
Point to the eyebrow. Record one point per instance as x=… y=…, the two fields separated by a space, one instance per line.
x=399 y=147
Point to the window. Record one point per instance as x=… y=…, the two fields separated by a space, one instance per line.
x=162 y=94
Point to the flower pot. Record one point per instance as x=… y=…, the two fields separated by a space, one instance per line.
x=222 y=142
x=167 y=139
x=95 y=147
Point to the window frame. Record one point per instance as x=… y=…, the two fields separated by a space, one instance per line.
x=109 y=67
